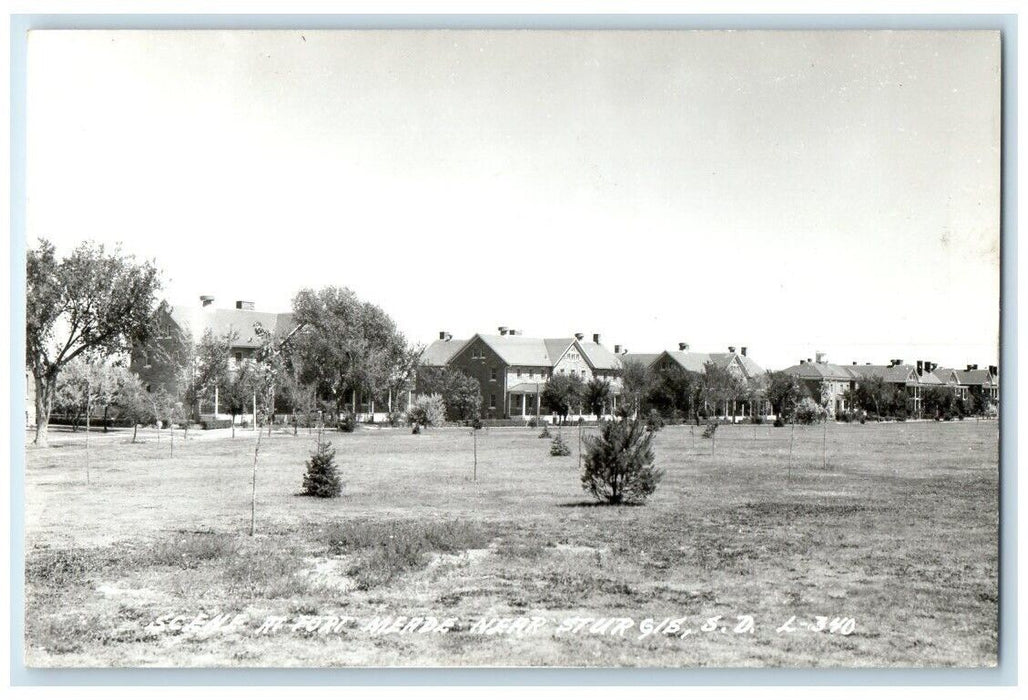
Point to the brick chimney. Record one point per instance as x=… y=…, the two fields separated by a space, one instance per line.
x=596 y=338
x=920 y=368
x=731 y=348
x=579 y=336
x=683 y=347
x=617 y=349
x=503 y=330
x=206 y=300
x=442 y=335
x=742 y=351
x=244 y=305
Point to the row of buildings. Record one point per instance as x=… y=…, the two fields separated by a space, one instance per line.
x=512 y=369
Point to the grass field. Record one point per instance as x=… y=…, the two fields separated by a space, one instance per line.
x=899 y=533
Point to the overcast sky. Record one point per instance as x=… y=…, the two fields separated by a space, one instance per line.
x=787 y=191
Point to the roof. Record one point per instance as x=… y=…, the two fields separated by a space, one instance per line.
x=599 y=357
x=644 y=358
x=822 y=371
x=896 y=374
x=946 y=375
x=522 y=350
x=197 y=320
x=695 y=361
x=439 y=352
x=975 y=377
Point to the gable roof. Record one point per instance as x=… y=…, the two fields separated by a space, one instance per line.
x=644 y=358
x=519 y=349
x=440 y=352
x=897 y=374
x=598 y=356
x=976 y=377
x=197 y=320
x=822 y=371
x=695 y=361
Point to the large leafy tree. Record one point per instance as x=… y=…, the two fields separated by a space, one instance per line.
x=563 y=392
x=208 y=370
x=597 y=394
x=672 y=388
x=719 y=386
x=347 y=346
x=96 y=301
x=635 y=382
x=783 y=393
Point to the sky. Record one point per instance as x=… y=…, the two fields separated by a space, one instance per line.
x=792 y=192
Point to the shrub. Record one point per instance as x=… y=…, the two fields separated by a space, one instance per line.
x=427 y=411
x=809 y=411
x=476 y=423
x=559 y=448
x=322 y=477
x=394 y=418
x=533 y=422
x=757 y=419
x=653 y=421
x=779 y=423
x=347 y=423
x=215 y=423
x=619 y=463
x=711 y=428
x=546 y=431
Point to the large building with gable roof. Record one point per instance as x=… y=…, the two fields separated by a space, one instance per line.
x=512 y=369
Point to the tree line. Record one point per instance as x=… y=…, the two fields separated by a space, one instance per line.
x=87 y=312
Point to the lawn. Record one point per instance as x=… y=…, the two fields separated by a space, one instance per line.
x=894 y=543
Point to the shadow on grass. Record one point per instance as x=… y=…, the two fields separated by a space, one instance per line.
x=597 y=504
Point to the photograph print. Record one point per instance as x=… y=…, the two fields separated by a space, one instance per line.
x=511 y=348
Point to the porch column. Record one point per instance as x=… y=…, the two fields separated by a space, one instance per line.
x=524 y=405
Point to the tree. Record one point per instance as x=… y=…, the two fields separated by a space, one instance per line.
x=938 y=402
x=208 y=370
x=462 y=396
x=671 y=389
x=783 y=393
x=93 y=301
x=347 y=346
x=322 y=477
x=133 y=403
x=597 y=395
x=873 y=395
x=427 y=411
x=562 y=393
x=618 y=463
x=635 y=382
x=719 y=386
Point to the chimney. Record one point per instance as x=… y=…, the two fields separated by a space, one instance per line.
x=969 y=368
x=742 y=351
x=206 y=300
x=994 y=370
x=820 y=357
x=920 y=368
x=596 y=338
x=448 y=337
x=442 y=335
x=731 y=348
x=867 y=364
x=579 y=336
x=502 y=330
x=617 y=349
x=683 y=346
x=854 y=362
x=809 y=361
x=244 y=305
x=803 y=362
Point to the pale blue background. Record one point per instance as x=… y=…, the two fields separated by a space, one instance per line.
x=1005 y=674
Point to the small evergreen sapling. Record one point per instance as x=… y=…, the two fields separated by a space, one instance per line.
x=559 y=448
x=619 y=463
x=322 y=477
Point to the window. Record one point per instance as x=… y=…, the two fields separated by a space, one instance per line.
x=239 y=357
x=492 y=400
x=519 y=372
x=492 y=374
